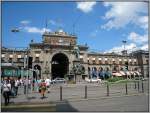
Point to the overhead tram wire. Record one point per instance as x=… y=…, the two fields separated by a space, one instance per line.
x=74 y=24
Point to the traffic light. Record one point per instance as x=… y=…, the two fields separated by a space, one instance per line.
x=30 y=62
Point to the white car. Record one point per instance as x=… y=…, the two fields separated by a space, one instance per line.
x=93 y=80
x=58 y=80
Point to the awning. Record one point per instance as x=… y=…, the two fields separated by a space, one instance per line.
x=122 y=73
x=137 y=73
x=116 y=74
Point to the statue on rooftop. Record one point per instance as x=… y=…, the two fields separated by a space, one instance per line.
x=76 y=52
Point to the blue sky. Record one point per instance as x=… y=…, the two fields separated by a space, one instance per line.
x=102 y=25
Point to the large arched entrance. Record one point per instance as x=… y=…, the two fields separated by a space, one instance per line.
x=60 y=65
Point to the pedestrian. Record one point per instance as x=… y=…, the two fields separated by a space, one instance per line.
x=48 y=82
x=29 y=83
x=42 y=88
x=33 y=84
x=12 y=82
x=6 y=91
x=22 y=83
x=16 y=86
x=25 y=82
x=38 y=84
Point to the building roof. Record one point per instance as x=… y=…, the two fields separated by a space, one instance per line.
x=140 y=52
x=59 y=33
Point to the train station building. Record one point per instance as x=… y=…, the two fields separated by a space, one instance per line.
x=56 y=56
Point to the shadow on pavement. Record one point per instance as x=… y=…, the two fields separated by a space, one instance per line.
x=29 y=98
x=65 y=106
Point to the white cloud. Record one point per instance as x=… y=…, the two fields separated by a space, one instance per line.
x=138 y=38
x=36 y=30
x=143 y=22
x=85 y=6
x=25 y=22
x=130 y=47
x=144 y=47
x=122 y=13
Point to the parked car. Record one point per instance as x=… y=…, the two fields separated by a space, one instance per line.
x=58 y=80
x=92 y=80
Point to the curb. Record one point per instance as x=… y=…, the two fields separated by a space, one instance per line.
x=52 y=105
x=26 y=105
x=96 y=98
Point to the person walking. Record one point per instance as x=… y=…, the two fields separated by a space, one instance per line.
x=33 y=84
x=25 y=82
x=38 y=84
x=12 y=82
x=29 y=84
x=6 y=91
x=16 y=86
x=48 y=82
x=36 y=89
x=42 y=88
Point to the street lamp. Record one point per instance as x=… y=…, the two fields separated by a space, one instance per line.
x=125 y=54
x=16 y=30
x=124 y=42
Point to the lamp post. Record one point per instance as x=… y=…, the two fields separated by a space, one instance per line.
x=125 y=54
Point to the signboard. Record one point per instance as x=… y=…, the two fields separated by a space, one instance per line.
x=10 y=72
x=6 y=64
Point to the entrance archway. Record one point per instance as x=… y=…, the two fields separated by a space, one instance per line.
x=60 y=65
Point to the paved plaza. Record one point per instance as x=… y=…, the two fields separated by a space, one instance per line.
x=73 y=97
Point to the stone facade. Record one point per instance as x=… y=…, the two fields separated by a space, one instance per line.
x=58 y=48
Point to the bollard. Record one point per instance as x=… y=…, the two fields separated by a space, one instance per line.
x=138 y=86
x=107 y=89
x=126 y=88
x=60 y=93
x=142 y=87
x=134 y=84
x=85 y=92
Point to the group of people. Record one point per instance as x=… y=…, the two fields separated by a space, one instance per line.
x=10 y=86
x=41 y=86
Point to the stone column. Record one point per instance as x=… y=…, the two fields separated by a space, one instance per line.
x=71 y=58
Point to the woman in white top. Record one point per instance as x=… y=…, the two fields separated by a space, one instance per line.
x=6 y=91
x=16 y=86
x=48 y=82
